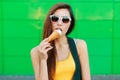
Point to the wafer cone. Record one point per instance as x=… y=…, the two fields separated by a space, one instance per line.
x=55 y=34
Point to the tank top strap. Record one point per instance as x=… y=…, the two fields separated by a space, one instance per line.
x=73 y=49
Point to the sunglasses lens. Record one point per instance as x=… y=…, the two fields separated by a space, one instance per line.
x=54 y=18
x=65 y=20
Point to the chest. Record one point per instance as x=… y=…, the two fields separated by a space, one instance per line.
x=62 y=53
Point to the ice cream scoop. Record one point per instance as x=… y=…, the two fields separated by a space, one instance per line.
x=55 y=34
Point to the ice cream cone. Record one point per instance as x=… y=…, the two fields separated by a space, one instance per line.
x=56 y=34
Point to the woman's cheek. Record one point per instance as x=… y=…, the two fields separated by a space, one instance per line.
x=66 y=29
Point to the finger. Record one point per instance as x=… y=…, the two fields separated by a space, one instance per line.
x=44 y=44
x=49 y=48
x=45 y=40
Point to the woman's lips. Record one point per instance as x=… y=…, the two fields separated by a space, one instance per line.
x=59 y=29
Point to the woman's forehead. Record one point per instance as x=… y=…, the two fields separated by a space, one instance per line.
x=62 y=12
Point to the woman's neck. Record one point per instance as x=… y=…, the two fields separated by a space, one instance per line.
x=62 y=48
x=61 y=41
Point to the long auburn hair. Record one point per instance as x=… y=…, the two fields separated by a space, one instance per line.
x=47 y=30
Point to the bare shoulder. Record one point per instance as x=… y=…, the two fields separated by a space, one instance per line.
x=33 y=50
x=81 y=46
x=80 y=43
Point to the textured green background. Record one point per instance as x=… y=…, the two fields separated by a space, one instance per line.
x=97 y=22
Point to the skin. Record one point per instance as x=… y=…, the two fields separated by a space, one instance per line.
x=39 y=54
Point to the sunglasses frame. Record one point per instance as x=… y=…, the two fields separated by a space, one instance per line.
x=60 y=18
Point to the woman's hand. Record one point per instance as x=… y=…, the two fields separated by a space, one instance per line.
x=43 y=48
x=39 y=59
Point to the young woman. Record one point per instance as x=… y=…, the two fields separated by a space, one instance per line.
x=64 y=58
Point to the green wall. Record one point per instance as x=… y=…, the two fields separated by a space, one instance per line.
x=97 y=22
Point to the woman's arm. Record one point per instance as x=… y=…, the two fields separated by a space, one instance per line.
x=84 y=60
x=39 y=59
x=39 y=66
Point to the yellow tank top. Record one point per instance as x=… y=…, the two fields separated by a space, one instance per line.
x=65 y=69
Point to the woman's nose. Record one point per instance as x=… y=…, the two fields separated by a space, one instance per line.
x=59 y=22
